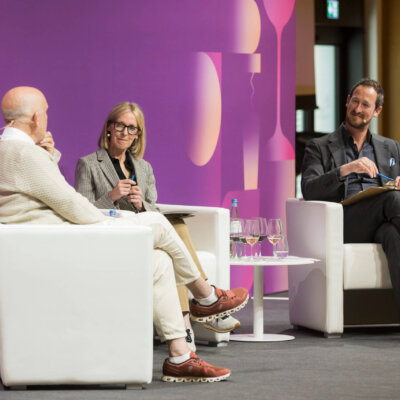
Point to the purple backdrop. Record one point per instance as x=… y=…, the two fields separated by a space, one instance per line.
x=205 y=73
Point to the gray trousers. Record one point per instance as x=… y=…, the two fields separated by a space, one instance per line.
x=377 y=220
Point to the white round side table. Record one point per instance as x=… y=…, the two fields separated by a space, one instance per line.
x=258 y=334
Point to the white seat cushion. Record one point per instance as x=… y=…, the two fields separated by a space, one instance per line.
x=358 y=270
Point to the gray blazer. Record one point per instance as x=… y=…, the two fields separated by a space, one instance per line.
x=95 y=177
x=324 y=156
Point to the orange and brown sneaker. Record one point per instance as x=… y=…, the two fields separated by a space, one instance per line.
x=229 y=301
x=193 y=370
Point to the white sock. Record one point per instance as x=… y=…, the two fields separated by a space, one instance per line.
x=179 y=359
x=212 y=298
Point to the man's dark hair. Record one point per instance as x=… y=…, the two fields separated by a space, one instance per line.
x=374 y=84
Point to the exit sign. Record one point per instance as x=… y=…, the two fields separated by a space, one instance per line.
x=332 y=9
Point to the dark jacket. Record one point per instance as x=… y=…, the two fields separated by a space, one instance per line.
x=324 y=156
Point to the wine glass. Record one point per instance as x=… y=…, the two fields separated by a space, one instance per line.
x=263 y=233
x=275 y=232
x=252 y=233
x=235 y=233
x=242 y=239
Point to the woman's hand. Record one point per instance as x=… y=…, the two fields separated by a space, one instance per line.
x=122 y=189
x=135 y=196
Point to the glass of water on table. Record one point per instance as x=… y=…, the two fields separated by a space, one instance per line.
x=282 y=248
x=236 y=230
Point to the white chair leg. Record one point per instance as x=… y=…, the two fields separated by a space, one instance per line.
x=332 y=335
x=21 y=387
x=133 y=387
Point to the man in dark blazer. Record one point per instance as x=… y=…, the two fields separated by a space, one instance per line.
x=341 y=164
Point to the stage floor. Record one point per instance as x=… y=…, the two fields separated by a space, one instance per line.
x=363 y=364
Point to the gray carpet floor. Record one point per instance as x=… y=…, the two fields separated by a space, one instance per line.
x=363 y=364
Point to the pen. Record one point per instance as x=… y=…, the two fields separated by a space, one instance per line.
x=132 y=178
x=386 y=177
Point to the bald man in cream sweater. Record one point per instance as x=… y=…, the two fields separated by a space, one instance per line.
x=33 y=190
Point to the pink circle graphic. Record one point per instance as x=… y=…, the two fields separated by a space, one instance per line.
x=206 y=124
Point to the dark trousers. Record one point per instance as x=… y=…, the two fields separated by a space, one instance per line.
x=377 y=220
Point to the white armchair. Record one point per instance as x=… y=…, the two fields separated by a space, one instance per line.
x=340 y=289
x=73 y=308
x=209 y=230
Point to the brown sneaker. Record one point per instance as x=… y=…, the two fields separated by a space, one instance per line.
x=229 y=301
x=193 y=370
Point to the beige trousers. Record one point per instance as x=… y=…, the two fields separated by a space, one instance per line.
x=183 y=231
x=173 y=266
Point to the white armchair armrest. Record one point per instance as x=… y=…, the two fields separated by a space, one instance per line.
x=315 y=229
x=209 y=229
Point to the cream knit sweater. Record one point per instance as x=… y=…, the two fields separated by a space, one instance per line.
x=33 y=190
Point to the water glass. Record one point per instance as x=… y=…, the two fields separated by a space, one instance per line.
x=282 y=248
x=240 y=242
x=236 y=229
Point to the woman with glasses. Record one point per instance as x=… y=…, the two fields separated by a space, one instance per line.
x=117 y=177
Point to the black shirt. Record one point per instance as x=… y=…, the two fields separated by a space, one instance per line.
x=128 y=164
x=358 y=182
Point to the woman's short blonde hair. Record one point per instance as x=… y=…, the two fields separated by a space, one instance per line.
x=138 y=146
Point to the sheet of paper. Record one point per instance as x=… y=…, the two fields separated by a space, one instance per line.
x=364 y=194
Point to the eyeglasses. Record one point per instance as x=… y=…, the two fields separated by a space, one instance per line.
x=131 y=129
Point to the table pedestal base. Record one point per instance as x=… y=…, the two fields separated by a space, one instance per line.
x=258 y=334
x=266 y=337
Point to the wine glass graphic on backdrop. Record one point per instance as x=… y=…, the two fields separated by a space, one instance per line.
x=279 y=12
x=275 y=232
x=252 y=233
